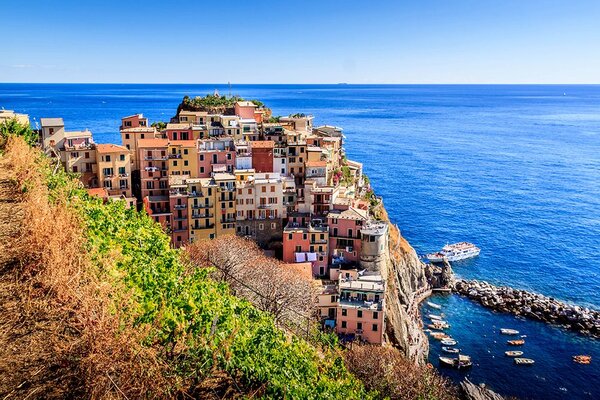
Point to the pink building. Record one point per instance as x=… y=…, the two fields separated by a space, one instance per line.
x=178 y=199
x=154 y=178
x=245 y=109
x=344 y=234
x=306 y=241
x=360 y=309
x=216 y=156
x=134 y=121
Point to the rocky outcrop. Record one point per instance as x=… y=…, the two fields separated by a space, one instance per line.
x=407 y=286
x=531 y=305
x=471 y=391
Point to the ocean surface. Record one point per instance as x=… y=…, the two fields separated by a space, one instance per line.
x=514 y=169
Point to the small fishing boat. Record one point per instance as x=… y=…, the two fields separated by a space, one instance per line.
x=451 y=350
x=434 y=316
x=449 y=342
x=583 y=359
x=506 y=331
x=518 y=342
x=513 y=353
x=433 y=305
x=461 y=362
x=524 y=361
x=439 y=335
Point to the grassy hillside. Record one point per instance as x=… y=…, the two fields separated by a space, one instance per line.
x=127 y=317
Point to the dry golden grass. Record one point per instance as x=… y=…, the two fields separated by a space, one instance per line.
x=61 y=333
x=386 y=371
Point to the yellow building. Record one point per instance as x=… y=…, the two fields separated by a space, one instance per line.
x=6 y=115
x=114 y=169
x=211 y=205
x=183 y=158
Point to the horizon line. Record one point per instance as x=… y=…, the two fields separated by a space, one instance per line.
x=305 y=84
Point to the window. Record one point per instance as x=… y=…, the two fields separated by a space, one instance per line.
x=107 y=158
x=127 y=136
x=201 y=157
x=375 y=315
x=333 y=299
x=87 y=154
x=343 y=324
x=374 y=327
x=174 y=163
x=201 y=170
x=229 y=156
x=74 y=168
x=272 y=189
x=185 y=151
x=185 y=163
x=290 y=236
x=107 y=171
x=264 y=189
x=359 y=325
x=344 y=311
x=121 y=170
x=359 y=313
x=298 y=249
x=261 y=227
x=273 y=225
x=122 y=157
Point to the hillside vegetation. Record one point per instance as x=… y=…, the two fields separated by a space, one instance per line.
x=94 y=303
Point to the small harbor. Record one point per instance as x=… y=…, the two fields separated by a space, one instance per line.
x=478 y=333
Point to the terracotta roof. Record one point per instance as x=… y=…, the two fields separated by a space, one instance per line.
x=264 y=144
x=350 y=213
x=140 y=129
x=183 y=125
x=183 y=143
x=316 y=164
x=153 y=143
x=100 y=192
x=110 y=148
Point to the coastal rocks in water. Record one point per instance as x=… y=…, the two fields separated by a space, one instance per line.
x=531 y=305
x=472 y=391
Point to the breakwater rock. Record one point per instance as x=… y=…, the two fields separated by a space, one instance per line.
x=531 y=305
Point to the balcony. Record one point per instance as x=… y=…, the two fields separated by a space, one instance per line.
x=207 y=215
x=182 y=218
x=157 y=158
x=174 y=156
x=180 y=206
x=263 y=206
x=209 y=226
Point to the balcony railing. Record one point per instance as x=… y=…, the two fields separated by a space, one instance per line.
x=174 y=155
x=180 y=206
x=197 y=216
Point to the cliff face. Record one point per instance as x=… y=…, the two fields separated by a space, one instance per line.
x=407 y=284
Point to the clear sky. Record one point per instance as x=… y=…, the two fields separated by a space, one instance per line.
x=266 y=41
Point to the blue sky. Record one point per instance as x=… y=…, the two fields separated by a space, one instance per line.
x=420 y=41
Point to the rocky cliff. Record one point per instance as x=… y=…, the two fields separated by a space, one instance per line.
x=407 y=285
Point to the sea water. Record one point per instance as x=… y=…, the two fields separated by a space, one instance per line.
x=513 y=169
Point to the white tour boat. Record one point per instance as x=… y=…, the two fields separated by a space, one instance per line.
x=506 y=331
x=455 y=252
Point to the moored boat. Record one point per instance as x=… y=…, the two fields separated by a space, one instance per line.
x=449 y=342
x=433 y=305
x=439 y=335
x=461 y=362
x=513 y=353
x=454 y=252
x=524 y=361
x=434 y=316
x=582 y=359
x=506 y=331
x=451 y=350
x=518 y=342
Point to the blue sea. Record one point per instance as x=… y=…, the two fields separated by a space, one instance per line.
x=514 y=169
